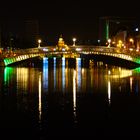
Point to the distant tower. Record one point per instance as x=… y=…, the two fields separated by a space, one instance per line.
x=103 y=29
x=61 y=43
x=107 y=29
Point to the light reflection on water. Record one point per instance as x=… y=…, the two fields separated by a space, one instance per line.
x=54 y=62
x=109 y=92
x=74 y=94
x=65 y=89
x=78 y=73
x=39 y=96
x=63 y=74
x=22 y=78
x=45 y=74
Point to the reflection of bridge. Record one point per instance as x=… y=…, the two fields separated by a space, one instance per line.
x=77 y=51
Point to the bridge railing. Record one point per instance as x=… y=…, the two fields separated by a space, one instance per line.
x=105 y=49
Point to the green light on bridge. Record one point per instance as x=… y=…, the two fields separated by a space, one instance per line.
x=137 y=70
x=138 y=61
x=7 y=61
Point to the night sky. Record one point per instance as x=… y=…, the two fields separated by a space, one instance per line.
x=69 y=18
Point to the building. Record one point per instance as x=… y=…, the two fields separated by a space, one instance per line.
x=119 y=40
x=61 y=44
x=110 y=26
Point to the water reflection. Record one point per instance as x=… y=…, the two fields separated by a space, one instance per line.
x=63 y=74
x=74 y=94
x=109 y=92
x=9 y=75
x=22 y=78
x=119 y=72
x=45 y=74
x=78 y=73
x=131 y=84
x=39 y=97
x=54 y=73
x=109 y=87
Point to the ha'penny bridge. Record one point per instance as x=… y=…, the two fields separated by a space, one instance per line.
x=127 y=55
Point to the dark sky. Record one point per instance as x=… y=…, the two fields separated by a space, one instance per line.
x=69 y=18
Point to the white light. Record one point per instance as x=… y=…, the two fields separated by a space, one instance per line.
x=109 y=72
x=109 y=92
x=109 y=40
x=39 y=41
x=74 y=39
x=78 y=49
x=63 y=49
x=131 y=49
x=137 y=29
x=45 y=49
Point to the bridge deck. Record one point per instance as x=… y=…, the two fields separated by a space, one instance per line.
x=77 y=51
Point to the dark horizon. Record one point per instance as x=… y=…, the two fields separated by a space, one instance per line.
x=51 y=29
x=70 y=18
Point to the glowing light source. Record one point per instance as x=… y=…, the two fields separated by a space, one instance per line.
x=74 y=40
x=44 y=49
x=137 y=29
x=78 y=49
x=131 y=40
x=39 y=41
x=120 y=44
x=109 y=42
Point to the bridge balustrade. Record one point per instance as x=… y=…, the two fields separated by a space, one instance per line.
x=131 y=55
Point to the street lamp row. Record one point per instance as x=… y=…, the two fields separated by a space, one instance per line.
x=39 y=42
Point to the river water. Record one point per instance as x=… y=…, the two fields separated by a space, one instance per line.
x=69 y=99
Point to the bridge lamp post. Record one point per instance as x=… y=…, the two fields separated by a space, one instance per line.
x=132 y=41
x=74 y=40
x=109 y=42
x=39 y=41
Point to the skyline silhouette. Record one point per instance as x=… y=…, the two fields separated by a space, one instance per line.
x=70 y=18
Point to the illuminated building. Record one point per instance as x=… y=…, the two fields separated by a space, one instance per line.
x=110 y=26
x=61 y=44
x=120 y=39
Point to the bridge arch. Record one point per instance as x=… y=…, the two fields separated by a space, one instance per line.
x=85 y=51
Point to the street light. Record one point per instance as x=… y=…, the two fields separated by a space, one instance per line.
x=39 y=41
x=109 y=41
x=137 y=29
x=131 y=40
x=74 y=40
